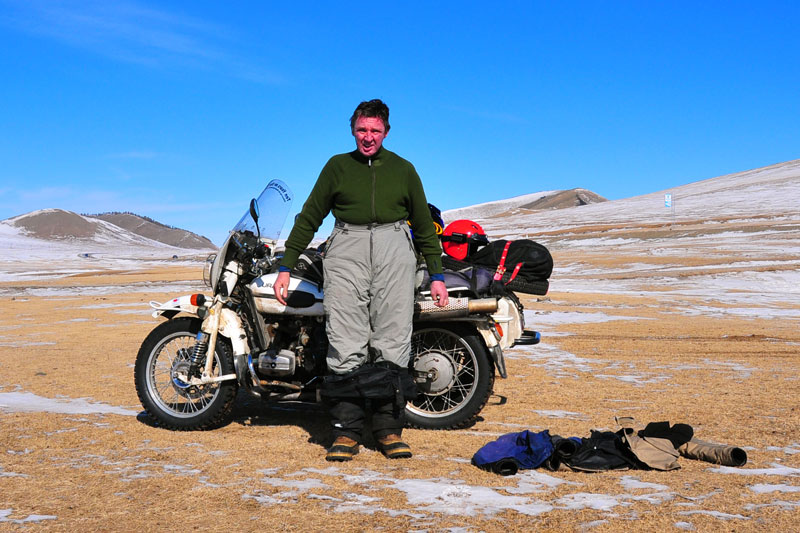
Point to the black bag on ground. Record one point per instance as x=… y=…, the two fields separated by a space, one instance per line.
x=536 y=263
x=602 y=451
x=374 y=381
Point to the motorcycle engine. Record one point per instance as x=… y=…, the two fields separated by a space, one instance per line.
x=281 y=363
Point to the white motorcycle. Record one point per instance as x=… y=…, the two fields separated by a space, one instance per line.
x=190 y=367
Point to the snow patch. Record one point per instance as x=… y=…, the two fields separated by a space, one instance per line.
x=26 y=402
x=776 y=470
x=30 y=519
x=715 y=514
x=764 y=488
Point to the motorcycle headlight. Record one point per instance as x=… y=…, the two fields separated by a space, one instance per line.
x=207 y=269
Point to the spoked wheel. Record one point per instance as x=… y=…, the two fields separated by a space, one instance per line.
x=163 y=360
x=458 y=377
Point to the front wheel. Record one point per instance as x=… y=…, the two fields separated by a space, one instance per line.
x=164 y=355
x=459 y=377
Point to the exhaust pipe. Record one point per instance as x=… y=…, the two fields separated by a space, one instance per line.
x=456 y=307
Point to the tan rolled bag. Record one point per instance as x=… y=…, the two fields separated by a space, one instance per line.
x=721 y=454
x=658 y=445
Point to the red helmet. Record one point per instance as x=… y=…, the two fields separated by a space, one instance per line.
x=462 y=238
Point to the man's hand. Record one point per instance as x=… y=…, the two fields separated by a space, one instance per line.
x=439 y=293
x=281 y=287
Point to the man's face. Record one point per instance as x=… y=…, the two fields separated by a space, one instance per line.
x=369 y=133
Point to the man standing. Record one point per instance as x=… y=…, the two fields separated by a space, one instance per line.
x=369 y=271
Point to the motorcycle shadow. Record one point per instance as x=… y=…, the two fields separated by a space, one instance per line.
x=313 y=418
x=251 y=411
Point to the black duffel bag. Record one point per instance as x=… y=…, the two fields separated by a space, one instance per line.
x=379 y=381
x=531 y=260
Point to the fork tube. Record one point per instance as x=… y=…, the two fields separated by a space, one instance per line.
x=212 y=342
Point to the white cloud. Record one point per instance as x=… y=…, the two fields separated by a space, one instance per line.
x=132 y=32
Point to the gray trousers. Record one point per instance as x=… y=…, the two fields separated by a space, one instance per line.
x=369 y=294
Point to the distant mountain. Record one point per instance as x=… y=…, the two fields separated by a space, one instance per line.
x=147 y=227
x=564 y=199
x=763 y=198
x=56 y=224
x=120 y=229
x=544 y=200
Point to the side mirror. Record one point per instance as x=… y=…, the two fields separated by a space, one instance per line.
x=254 y=210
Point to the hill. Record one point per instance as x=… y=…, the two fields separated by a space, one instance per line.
x=767 y=194
x=54 y=242
x=156 y=231
x=533 y=201
x=108 y=229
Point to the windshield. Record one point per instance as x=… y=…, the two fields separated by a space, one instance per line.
x=273 y=203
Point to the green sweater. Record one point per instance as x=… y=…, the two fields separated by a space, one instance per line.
x=385 y=188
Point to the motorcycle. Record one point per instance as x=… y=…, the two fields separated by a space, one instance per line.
x=190 y=368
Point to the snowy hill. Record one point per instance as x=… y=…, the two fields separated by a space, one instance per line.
x=54 y=242
x=156 y=231
x=770 y=193
x=534 y=201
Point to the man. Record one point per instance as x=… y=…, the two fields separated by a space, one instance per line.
x=369 y=272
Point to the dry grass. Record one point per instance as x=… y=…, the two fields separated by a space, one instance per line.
x=734 y=380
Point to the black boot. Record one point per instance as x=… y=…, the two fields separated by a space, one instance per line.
x=347 y=421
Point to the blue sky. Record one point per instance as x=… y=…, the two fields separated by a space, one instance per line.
x=182 y=111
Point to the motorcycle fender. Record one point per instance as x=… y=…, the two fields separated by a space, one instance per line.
x=230 y=326
x=489 y=335
x=510 y=319
x=181 y=304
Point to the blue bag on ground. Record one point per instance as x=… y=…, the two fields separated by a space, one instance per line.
x=514 y=451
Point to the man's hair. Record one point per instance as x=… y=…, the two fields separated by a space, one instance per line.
x=373 y=108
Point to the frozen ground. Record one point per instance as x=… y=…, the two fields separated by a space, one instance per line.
x=742 y=273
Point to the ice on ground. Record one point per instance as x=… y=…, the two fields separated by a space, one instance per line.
x=300 y=485
x=585 y=500
x=789 y=450
x=633 y=483
x=560 y=414
x=560 y=364
x=532 y=481
x=556 y=361
x=30 y=519
x=450 y=497
x=547 y=320
x=113 y=305
x=26 y=402
x=715 y=514
x=4 y=473
x=101 y=290
x=764 y=488
x=776 y=470
x=22 y=344
x=780 y=504
x=743 y=371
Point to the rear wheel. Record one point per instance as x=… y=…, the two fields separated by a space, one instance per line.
x=164 y=355
x=459 y=377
